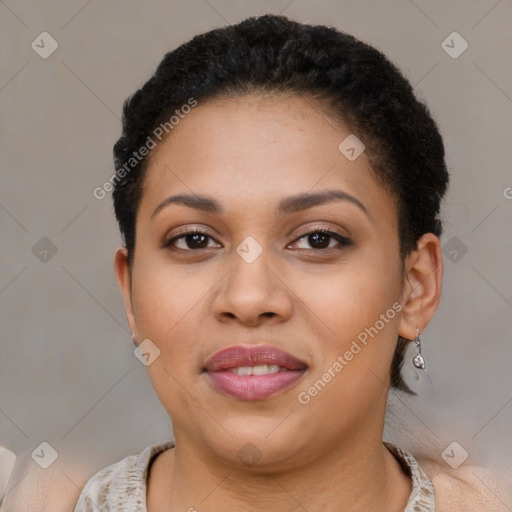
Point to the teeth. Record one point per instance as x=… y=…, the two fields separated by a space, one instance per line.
x=243 y=370
x=263 y=369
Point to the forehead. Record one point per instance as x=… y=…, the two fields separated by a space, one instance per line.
x=256 y=149
x=230 y=126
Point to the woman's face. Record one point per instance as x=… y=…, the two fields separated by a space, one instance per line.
x=262 y=274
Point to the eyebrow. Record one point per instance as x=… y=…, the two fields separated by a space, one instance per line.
x=287 y=205
x=308 y=200
x=198 y=202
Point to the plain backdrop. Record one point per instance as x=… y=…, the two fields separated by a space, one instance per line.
x=68 y=375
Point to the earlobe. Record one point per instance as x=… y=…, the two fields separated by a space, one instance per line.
x=422 y=286
x=123 y=276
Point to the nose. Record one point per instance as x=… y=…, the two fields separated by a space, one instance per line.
x=253 y=294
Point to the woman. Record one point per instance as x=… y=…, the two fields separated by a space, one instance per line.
x=277 y=188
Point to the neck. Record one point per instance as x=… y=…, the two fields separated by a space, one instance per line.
x=358 y=476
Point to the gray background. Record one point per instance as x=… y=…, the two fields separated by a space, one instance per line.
x=68 y=375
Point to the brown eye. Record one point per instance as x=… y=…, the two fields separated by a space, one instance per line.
x=191 y=240
x=320 y=239
x=196 y=241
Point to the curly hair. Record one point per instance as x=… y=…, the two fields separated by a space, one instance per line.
x=352 y=80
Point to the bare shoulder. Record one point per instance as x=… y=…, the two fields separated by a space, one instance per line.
x=470 y=488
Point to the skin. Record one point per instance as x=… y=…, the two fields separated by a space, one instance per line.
x=248 y=154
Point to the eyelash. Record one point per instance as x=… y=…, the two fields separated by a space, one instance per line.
x=342 y=240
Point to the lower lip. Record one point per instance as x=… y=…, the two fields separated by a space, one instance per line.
x=254 y=387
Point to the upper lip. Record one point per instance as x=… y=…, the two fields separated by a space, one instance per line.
x=254 y=355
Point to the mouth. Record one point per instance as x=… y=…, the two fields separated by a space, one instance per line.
x=253 y=372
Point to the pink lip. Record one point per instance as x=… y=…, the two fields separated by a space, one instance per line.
x=253 y=387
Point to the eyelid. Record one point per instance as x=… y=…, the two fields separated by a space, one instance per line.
x=184 y=231
x=341 y=240
x=190 y=230
x=319 y=228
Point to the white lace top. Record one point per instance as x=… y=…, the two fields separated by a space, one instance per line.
x=121 y=487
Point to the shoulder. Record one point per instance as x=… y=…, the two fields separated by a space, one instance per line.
x=470 y=488
x=120 y=486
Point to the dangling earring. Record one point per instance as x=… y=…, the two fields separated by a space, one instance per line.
x=418 y=360
x=133 y=339
x=414 y=373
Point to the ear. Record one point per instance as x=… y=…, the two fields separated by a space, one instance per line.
x=123 y=276
x=421 y=291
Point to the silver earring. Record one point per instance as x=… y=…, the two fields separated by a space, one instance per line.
x=133 y=339
x=418 y=360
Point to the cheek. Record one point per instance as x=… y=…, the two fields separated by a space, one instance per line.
x=166 y=305
x=351 y=297
x=163 y=298
x=356 y=311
